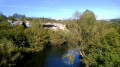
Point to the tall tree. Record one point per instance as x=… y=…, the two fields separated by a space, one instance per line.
x=87 y=17
x=86 y=24
x=76 y=15
x=19 y=16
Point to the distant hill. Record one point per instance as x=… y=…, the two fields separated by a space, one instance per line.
x=115 y=20
x=111 y=20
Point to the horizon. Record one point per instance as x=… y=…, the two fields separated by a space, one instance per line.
x=56 y=9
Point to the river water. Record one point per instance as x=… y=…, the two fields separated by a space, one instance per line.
x=52 y=57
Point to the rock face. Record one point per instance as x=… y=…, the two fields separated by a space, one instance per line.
x=15 y=22
x=54 y=26
x=28 y=24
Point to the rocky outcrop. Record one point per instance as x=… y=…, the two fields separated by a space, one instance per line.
x=28 y=24
x=15 y=22
x=54 y=26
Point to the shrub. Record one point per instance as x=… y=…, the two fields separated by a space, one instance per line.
x=8 y=53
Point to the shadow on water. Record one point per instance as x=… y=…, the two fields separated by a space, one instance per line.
x=51 y=57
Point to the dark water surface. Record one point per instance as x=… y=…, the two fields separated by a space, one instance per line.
x=52 y=57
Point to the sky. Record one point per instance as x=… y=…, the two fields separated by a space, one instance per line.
x=61 y=9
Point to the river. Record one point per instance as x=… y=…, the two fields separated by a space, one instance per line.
x=52 y=57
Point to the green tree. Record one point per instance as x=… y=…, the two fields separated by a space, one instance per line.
x=4 y=30
x=11 y=18
x=104 y=52
x=76 y=15
x=18 y=36
x=86 y=28
x=40 y=35
x=19 y=16
x=5 y=26
x=2 y=17
x=8 y=53
x=87 y=17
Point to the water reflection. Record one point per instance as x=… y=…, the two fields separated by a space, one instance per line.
x=72 y=57
x=54 y=57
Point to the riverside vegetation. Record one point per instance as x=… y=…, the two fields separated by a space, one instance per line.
x=98 y=41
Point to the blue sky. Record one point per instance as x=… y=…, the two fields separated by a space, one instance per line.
x=61 y=9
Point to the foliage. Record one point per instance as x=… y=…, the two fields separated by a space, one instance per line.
x=11 y=18
x=87 y=17
x=76 y=15
x=104 y=52
x=87 y=23
x=81 y=33
x=19 y=39
x=5 y=26
x=18 y=15
x=57 y=37
x=16 y=34
x=40 y=35
x=97 y=41
x=2 y=17
x=29 y=36
x=19 y=36
x=8 y=53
